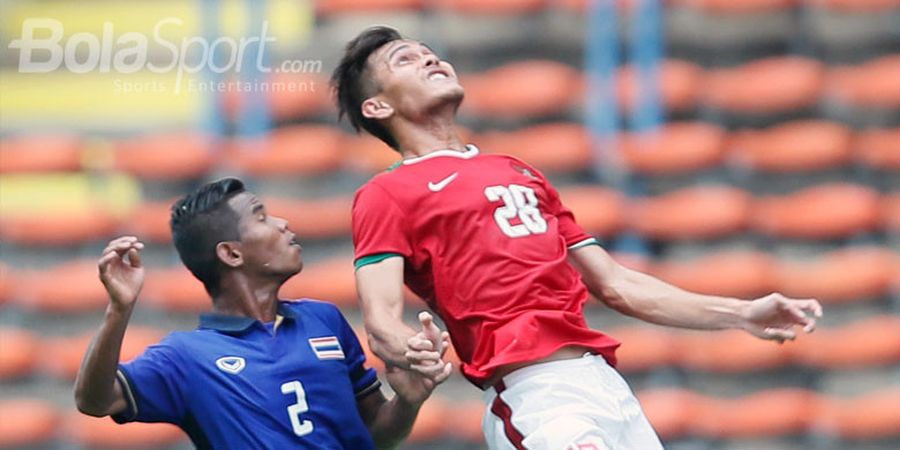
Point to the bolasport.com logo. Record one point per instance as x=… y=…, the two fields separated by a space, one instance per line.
x=43 y=48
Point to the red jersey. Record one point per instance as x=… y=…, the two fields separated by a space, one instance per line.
x=484 y=240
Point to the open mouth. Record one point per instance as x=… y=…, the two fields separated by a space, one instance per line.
x=438 y=75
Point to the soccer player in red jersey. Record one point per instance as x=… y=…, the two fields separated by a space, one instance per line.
x=485 y=240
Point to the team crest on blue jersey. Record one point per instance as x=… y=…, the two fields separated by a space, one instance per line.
x=327 y=347
x=231 y=364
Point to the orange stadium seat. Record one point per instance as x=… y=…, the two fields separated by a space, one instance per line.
x=464 y=421
x=890 y=212
x=18 y=353
x=701 y=212
x=871 y=416
x=314 y=218
x=150 y=221
x=738 y=6
x=58 y=228
x=175 y=289
x=40 y=153
x=675 y=148
x=333 y=7
x=847 y=275
x=879 y=148
x=769 y=413
x=597 y=209
x=766 y=86
x=522 y=89
x=330 y=280
x=61 y=355
x=67 y=288
x=6 y=283
x=870 y=85
x=869 y=342
x=643 y=348
x=795 y=146
x=552 y=147
x=730 y=351
x=27 y=423
x=431 y=423
x=857 y=5
x=827 y=211
x=678 y=84
x=298 y=95
x=103 y=433
x=294 y=150
x=367 y=154
x=736 y=273
x=670 y=410
x=493 y=7
x=176 y=156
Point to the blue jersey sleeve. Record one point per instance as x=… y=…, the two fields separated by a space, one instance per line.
x=154 y=386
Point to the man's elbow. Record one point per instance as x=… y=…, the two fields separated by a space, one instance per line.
x=88 y=404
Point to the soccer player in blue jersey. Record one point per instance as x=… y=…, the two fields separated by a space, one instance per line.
x=258 y=372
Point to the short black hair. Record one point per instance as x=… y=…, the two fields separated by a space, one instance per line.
x=199 y=221
x=352 y=83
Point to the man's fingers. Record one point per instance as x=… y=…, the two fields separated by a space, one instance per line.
x=134 y=255
x=103 y=263
x=432 y=371
x=122 y=242
x=812 y=306
x=779 y=334
x=419 y=342
x=423 y=357
x=441 y=377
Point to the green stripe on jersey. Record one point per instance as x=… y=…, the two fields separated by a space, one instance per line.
x=373 y=259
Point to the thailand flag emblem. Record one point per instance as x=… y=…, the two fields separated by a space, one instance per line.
x=327 y=347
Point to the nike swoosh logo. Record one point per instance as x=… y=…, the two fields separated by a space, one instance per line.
x=435 y=187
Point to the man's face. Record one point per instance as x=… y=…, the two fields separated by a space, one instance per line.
x=267 y=246
x=412 y=79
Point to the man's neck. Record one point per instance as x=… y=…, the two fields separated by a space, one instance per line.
x=436 y=132
x=240 y=297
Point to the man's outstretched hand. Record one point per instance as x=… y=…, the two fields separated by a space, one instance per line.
x=427 y=369
x=775 y=316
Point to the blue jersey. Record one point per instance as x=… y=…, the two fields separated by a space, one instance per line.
x=238 y=383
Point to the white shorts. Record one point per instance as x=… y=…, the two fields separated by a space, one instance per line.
x=573 y=404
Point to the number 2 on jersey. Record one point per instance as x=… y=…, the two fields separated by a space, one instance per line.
x=301 y=427
x=518 y=201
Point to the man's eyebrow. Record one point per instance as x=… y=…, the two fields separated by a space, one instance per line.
x=258 y=207
x=391 y=54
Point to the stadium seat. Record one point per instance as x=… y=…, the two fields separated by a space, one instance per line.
x=58 y=228
x=432 y=420
x=40 y=153
x=767 y=86
x=728 y=352
x=871 y=416
x=878 y=148
x=27 y=423
x=298 y=95
x=734 y=273
x=671 y=411
x=61 y=356
x=175 y=289
x=846 y=275
x=464 y=421
x=330 y=280
x=644 y=348
x=18 y=353
x=870 y=85
x=521 y=90
x=870 y=342
x=552 y=147
x=287 y=151
x=857 y=5
x=6 y=283
x=737 y=6
x=793 y=147
x=598 y=210
x=828 y=211
x=367 y=154
x=103 y=433
x=337 y=7
x=702 y=212
x=67 y=288
x=504 y=7
x=890 y=212
x=314 y=218
x=162 y=157
x=768 y=413
x=678 y=84
x=150 y=221
x=673 y=149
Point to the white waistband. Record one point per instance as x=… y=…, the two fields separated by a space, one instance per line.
x=519 y=375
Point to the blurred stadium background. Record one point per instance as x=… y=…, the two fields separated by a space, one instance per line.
x=727 y=146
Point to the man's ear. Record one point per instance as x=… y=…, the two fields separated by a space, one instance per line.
x=377 y=109
x=229 y=252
